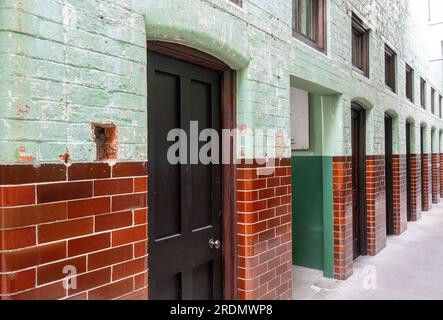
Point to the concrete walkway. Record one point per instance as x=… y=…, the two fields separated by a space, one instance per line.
x=410 y=267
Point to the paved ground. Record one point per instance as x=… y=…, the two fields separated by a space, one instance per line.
x=410 y=267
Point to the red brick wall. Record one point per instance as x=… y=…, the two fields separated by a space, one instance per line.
x=400 y=213
x=92 y=216
x=427 y=188
x=435 y=178
x=415 y=168
x=264 y=231
x=342 y=193
x=441 y=175
x=375 y=203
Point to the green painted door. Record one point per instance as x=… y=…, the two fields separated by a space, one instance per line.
x=308 y=233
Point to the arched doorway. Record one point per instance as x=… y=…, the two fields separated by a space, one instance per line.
x=389 y=175
x=359 y=180
x=424 y=171
x=409 y=179
x=192 y=240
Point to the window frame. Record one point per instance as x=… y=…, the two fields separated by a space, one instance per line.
x=363 y=34
x=409 y=83
x=390 y=68
x=432 y=100
x=423 y=93
x=440 y=106
x=319 y=40
x=237 y=2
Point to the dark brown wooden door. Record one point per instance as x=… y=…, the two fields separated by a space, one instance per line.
x=358 y=181
x=422 y=149
x=389 y=177
x=185 y=260
x=408 y=170
x=355 y=185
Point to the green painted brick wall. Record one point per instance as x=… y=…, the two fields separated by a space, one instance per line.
x=67 y=63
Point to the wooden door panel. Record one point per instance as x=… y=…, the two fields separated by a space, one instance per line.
x=422 y=162
x=408 y=170
x=184 y=199
x=359 y=181
x=355 y=184
x=389 y=176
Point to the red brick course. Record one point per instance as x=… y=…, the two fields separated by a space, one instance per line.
x=427 y=182
x=400 y=213
x=342 y=193
x=88 y=215
x=264 y=231
x=441 y=175
x=435 y=178
x=375 y=204
x=94 y=217
x=415 y=168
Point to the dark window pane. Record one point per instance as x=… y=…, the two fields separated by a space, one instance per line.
x=423 y=93
x=237 y=2
x=307 y=18
x=440 y=107
x=390 y=70
x=409 y=82
x=309 y=23
x=360 y=45
x=433 y=100
x=295 y=20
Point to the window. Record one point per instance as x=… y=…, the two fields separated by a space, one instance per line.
x=390 y=70
x=423 y=93
x=237 y=2
x=360 y=46
x=309 y=22
x=409 y=83
x=433 y=100
x=440 y=107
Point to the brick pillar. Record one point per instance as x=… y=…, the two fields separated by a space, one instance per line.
x=342 y=192
x=426 y=183
x=264 y=208
x=400 y=194
x=441 y=174
x=415 y=168
x=90 y=216
x=375 y=203
x=435 y=178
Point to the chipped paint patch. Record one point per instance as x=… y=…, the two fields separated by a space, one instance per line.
x=22 y=111
x=24 y=157
x=66 y=158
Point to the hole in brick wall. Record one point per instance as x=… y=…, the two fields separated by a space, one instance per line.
x=105 y=137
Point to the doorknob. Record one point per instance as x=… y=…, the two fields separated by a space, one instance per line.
x=214 y=244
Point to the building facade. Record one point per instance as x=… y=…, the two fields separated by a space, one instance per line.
x=90 y=89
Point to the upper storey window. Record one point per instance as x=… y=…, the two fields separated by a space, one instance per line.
x=423 y=93
x=433 y=100
x=409 y=83
x=390 y=68
x=440 y=107
x=309 y=22
x=360 y=46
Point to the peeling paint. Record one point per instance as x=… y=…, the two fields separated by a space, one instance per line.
x=66 y=158
x=22 y=111
x=23 y=157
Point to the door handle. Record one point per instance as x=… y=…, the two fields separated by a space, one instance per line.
x=214 y=244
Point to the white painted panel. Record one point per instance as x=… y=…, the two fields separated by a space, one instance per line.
x=299 y=119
